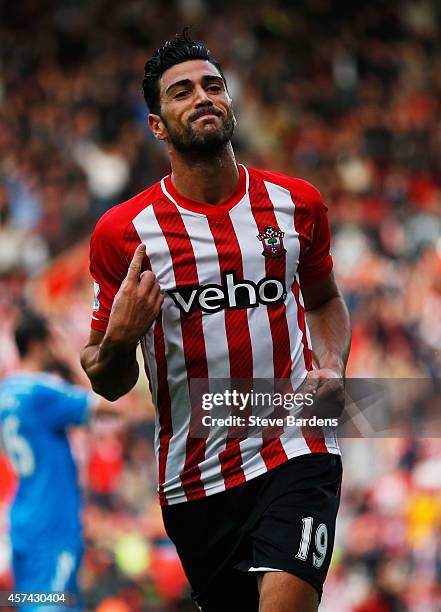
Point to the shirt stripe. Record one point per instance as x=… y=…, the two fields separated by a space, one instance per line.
x=185 y=271
x=272 y=451
x=239 y=344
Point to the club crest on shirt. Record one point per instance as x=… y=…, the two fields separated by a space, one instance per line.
x=272 y=241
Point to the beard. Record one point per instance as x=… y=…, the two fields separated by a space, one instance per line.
x=189 y=140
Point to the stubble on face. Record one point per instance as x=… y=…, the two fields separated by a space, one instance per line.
x=195 y=139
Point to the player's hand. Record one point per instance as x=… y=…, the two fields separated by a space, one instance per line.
x=327 y=386
x=137 y=303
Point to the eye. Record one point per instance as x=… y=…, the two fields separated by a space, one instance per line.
x=214 y=88
x=181 y=94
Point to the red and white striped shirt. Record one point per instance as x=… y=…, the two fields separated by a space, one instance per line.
x=271 y=232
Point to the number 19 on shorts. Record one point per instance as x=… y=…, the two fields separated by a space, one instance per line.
x=321 y=542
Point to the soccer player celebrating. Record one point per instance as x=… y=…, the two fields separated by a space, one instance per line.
x=224 y=272
x=35 y=408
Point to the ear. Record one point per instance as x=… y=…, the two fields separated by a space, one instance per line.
x=157 y=126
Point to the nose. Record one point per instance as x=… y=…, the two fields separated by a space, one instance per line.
x=202 y=98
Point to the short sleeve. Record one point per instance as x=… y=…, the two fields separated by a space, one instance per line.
x=311 y=221
x=65 y=404
x=108 y=268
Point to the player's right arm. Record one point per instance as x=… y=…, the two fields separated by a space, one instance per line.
x=109 y=358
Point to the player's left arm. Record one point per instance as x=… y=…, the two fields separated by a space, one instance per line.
x=329 y=326
x=326 y=312
x=330 y=329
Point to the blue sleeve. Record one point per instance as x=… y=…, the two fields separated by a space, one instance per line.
x=64 y=404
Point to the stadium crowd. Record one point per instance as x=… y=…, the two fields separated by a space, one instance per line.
x=347 y=97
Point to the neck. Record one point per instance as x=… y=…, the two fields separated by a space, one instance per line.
x=29 y=364
x=205 y=178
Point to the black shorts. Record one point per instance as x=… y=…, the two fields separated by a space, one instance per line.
x=282 y=520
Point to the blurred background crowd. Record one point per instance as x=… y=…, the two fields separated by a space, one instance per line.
x=347 y=96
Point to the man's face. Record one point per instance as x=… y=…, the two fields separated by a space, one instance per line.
x=196 y=110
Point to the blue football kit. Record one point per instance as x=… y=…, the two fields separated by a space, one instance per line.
x=45 y=526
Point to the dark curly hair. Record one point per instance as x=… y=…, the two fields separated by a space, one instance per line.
x=172 y=52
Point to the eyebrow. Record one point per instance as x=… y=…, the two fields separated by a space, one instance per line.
x=208 y=78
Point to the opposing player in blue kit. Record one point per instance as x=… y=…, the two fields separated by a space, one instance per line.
x=36 y=407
